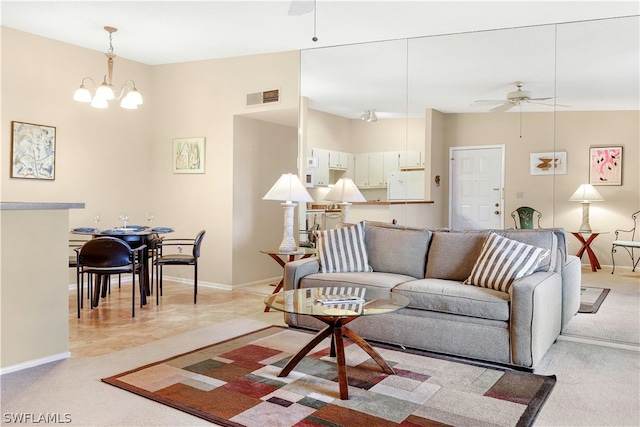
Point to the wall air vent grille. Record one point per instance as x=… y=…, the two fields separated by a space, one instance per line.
x=266 y=97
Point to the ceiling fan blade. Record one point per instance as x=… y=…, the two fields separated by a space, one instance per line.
x=502 y=108
x=550 y=105
x=488 y=101
x=300 y=7
x=538 y=99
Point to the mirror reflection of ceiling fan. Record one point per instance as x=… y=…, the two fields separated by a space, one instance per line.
x=301 y=7
x=515 y=99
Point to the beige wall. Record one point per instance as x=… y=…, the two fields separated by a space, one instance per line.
x=35 y=295
x=574 y=133
x=117 y=160
x=521 y=135
x=262 y=152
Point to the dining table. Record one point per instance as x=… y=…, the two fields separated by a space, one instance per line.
x=136 y=236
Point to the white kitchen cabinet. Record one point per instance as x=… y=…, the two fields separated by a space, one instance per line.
x=339 y=160
x=411 y=159
x=369 y=170
x=391 y=164
x=320 y=167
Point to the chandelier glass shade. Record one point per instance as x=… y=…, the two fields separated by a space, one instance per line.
x=128 y=95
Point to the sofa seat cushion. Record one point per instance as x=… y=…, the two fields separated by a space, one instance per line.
x=453 y=297
x=377 y=280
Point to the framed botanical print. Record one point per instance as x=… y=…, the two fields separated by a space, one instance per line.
x=188 y=155
x=605 y=165
x=33 y=151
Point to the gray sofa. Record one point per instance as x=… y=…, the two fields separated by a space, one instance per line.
x=446 y=316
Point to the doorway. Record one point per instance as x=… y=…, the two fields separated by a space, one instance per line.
x=476 y=187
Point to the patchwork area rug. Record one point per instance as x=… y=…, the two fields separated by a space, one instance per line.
x=591 y=299
x=236 y=383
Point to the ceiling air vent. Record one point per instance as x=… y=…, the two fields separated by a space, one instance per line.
x=266 y=97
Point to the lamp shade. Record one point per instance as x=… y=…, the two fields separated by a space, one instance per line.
x=586 y=193
x=345 y=190
x=288 y=188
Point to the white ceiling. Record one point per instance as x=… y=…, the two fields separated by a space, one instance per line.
x=162 y=32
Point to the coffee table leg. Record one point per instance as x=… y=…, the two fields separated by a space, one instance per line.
x=357 y=339
x=341 y=362
x=304 y=350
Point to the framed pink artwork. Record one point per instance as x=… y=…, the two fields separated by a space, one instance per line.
x=605 y=165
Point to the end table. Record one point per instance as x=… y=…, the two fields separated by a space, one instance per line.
x=586 y=246
x=276 y=255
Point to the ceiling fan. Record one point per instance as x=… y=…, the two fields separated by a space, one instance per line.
x=301 y=7
x=514 y=99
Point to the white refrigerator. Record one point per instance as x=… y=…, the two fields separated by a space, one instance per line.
x=406 y=185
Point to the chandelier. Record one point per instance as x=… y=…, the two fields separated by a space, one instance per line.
x=129 y=96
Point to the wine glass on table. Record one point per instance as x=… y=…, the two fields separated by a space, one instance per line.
x=96 y=221
x=124 y=218
x=150 y=218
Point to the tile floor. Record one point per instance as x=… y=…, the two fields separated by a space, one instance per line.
x=110 y=327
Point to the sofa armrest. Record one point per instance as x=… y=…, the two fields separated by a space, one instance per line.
x=296 y=270
x=571 y=282
x=536 y=316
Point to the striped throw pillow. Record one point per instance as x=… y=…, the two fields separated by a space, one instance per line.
x=502 y=261
x=342 y=250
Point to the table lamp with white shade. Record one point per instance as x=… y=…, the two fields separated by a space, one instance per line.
x=586 y=194
x=345 y=191
x=289 y=189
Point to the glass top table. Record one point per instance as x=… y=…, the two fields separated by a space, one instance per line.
x=336 y=307
x=321 y=302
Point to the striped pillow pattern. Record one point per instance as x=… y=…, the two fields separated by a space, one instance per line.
x=502 y=261
x=342 y=250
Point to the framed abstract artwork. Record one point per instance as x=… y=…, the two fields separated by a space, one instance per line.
x=188 y=155
x=605 y=165
x=33 y=151
x=552 y=163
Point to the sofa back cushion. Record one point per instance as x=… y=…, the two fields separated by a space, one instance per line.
x=397 y=250
x=453 y=254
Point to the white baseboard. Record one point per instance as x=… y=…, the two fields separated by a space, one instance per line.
x=600 y=342
x=35 y=362
x=259 y=282
x=73 y=286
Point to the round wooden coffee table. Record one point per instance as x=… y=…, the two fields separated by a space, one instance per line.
x=336 y=314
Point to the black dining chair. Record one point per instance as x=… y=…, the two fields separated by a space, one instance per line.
x=75 y=245
x=179 y=258
x=101 y=257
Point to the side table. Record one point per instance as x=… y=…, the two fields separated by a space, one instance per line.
x=276 y=255
x=586 y=246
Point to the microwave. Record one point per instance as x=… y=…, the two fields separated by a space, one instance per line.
x=308 y=182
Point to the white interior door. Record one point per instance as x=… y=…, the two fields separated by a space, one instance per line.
x=476 y=187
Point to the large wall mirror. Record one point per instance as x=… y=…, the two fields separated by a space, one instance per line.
x=439 y=95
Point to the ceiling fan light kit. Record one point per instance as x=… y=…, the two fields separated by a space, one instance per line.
x=129 y=96
x=369 y=116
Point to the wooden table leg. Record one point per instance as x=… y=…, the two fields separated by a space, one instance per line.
x=586 y=246
x=337 y=331
x=305 y=350
x=282 y=264
x=357 y=339
x=343 y=383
